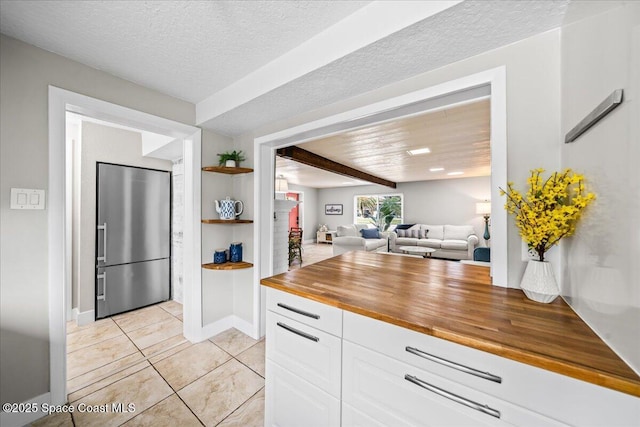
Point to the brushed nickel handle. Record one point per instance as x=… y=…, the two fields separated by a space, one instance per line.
x=454 y=397
x=298 y=332
x=104 y=243
x=298 y=311
x=103 y=297
x=454 y=365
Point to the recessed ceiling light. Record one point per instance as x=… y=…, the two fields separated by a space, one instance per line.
x=436 y=169
x=455 y=173
x=417 y=151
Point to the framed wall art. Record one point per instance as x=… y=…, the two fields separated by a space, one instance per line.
x=333 y=209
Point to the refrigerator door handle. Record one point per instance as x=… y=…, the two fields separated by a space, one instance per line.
x=103 y=297
x=103 y=258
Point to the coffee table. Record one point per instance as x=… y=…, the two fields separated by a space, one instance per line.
x=417 y=250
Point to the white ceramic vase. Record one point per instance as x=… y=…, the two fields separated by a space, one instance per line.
x=539 y=282
x=230 y=163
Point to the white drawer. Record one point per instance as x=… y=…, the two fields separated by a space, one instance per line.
x=351 y=417
x=292 y=402
x=313 y=355
x=312 y=313
x=465 y=365
x=557 y=396
x=397 y=394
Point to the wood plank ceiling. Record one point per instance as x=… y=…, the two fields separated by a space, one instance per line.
x=457 y=136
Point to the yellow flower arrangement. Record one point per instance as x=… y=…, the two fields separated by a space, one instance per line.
x=550 y=210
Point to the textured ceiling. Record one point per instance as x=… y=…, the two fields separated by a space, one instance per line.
x=465 y=30
x=457 y=136
x=187 y=49
x=194 y=50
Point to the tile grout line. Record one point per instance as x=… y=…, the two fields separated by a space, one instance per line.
x=174 y=392
x=144 y=358
x=131 y=365
x=239 y=406
x=151 y=364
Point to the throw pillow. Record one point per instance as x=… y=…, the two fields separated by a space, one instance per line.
x=401 y=233
x=403 y=226
x=370 y=233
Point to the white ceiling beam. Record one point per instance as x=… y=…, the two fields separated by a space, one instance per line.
x=369 y=24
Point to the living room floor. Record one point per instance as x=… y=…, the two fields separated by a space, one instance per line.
x=312 y=253
x=142 y=358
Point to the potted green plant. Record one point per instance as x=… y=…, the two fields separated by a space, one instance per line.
x=546 y=213
x=231 y=159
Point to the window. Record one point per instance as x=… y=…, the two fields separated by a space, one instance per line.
x=381 y=210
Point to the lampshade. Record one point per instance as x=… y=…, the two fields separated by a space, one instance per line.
x=282 y=186
x=483 y=208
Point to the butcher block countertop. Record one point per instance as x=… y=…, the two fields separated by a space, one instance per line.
x=457 y=303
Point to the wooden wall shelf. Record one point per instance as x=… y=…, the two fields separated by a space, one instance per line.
x=223 y=169
x=227 y=221
x=227 y=265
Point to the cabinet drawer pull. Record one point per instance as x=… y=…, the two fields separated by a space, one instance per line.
x=458 y=399
x=298 y=311
x=450 y=364
x=298 y=332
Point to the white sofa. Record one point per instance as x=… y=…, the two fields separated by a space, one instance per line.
x=349 y=238
x=449 y=241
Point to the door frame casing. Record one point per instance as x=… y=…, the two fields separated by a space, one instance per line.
x=265 y=146
x=61 y=101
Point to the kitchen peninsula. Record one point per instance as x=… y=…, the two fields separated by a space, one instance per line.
x=375 y=339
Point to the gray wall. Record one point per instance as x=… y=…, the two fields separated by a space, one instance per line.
x=25 y=74
x=446 y=201
x=601 y=269
x=100 y=144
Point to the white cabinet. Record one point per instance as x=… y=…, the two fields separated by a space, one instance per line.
x=523 y=394
x=307 y=352
x=303 y=310
x=325 y=236
x=292 y=401
x=304 y=362
x=329 y=367
x=397 y=394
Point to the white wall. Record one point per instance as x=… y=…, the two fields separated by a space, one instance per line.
x=101 y=144
x=25 y=74
x=601 y=270
x=533 y=114
x=446 y=201
x=177 y=230
x=243 y=279
x=217 y=286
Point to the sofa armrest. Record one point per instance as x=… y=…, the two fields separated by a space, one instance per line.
x=392 y=241
x=472 y=241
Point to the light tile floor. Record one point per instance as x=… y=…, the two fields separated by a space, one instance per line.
x=141 y=358
x=312 y=253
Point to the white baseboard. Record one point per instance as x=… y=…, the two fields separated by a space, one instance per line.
x=213 y=329
x=17 y=419
x=232 y=321
x=85 y=317
x=243 y=326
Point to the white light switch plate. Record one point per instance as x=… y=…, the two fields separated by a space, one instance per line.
x=25 y=198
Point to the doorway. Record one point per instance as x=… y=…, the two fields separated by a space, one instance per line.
x=59 y=248
x=294 y=214
x=491 y=82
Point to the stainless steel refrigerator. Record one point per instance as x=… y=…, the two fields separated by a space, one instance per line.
x=133 y=238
